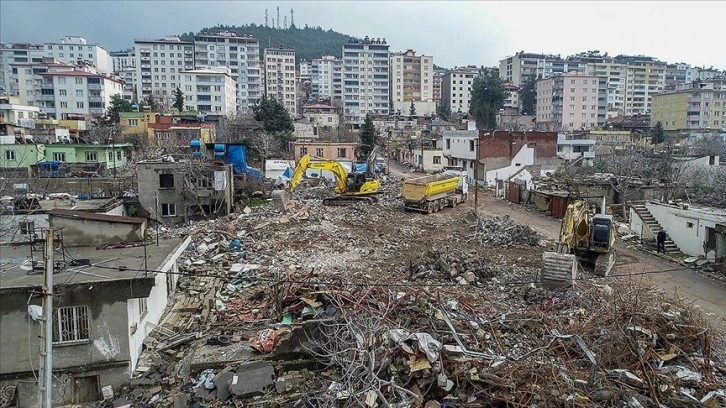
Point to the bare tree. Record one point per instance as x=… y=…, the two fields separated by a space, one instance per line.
x=710 y=146
x=238 y=128
x=628 y=170
x=266 y=145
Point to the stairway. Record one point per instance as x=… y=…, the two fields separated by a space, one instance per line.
x=652 y=224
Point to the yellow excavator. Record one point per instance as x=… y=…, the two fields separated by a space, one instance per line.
x=350 y=187
x=587 y=238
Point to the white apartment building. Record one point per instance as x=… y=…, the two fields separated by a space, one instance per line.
x=460 y=149
x=517 y=68
x=128 y=75
x=571 y=101
x=20 y=115
x=306 y=68
x=614 y=73
x=456 y=88
x=365 y=86
x=241 y=54
x=29 y=84
x=158 y=63
x=411 y=77
x=644 y=77
x=81 y=91
x=123 y=60
x=71 y=49
x=16 y=53
x=280 y=77
x=322 y=71
x=210 y=91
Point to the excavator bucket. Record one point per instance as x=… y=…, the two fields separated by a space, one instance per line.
x=558 y=269
x=604 y=263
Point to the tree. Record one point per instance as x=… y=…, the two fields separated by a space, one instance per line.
x=442 y=111
x=276 y=120
x=412 y=110
x=528 y=96
x=630 y=171
x=710 y=146
x=266 y=145
x=487 y=98
x=657 y=133
x=368 y=136
x=118 y=104
x=179 y=100
x=152 y=103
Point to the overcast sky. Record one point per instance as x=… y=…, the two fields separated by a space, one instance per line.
x=455 y=33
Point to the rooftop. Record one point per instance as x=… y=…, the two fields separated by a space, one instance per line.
x=91 y=216
x=16 y=271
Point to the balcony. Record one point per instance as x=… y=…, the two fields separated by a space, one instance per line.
x=146 y=81
x=188 y=59
x=146 y=74
x=45 y=97
x=44 y=85
x=95 y=99
x=96 y=87
x=146 y=66
x=145 y=59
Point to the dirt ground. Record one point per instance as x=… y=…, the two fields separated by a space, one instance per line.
x=702 y=291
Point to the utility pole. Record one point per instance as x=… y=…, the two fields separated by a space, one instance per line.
x=476 y=175
x=45 y=371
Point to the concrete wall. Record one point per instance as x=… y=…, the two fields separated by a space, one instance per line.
x=430 y=160
x=106 y=353
x=10 y=226
x=78 y=232
x=524 y=157
x=328 y=150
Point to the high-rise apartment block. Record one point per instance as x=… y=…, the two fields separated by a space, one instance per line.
x=365 y=79
x=571 y=101
x=438 y=78
x=122 y=60
x=694 y=108
x=210 y=91
x=280 y=77
x=73 y=49
x=456 y=89
x=158 y=63
x=322 y=71
x=16 y=53
x=517 y=68
x=241 y=54
x=411 y=77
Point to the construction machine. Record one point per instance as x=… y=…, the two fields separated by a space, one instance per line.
x=350 y=187
x=587 y=238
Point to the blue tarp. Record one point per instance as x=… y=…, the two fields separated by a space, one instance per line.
x=237 y=157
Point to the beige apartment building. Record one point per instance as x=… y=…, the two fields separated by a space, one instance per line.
x=571 y=101
x=280 y=77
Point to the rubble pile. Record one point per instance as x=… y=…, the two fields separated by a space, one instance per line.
x=367 y=305
x=501 y=230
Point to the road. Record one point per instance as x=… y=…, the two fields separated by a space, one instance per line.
x=704 y=292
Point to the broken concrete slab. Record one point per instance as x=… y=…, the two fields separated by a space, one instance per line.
x=252 y=379
x=222 y=383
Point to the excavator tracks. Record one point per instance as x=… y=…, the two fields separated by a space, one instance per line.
x=604 y=263
x=348 y=200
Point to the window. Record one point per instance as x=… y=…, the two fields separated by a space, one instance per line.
x=471 y=145
x=689 y=225
x=59 y=157
x=303 y=151
x=61 y=81
x=27 y=228
x=342 y=152
x=168 y=210
x=10 y=155
x=62 y=92
x=133 y=122
x=64 y=104
x=437 y=159
x=166 y=181
x=91 y=157
x=118 y=155
x=79 y=105
x=79 y=92
x=79 y=81
x=70 y=324
x=143 y=308
x=319 y=151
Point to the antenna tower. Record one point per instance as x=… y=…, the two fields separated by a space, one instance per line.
x=292 y=17
x=284 y=19
x=266 y=18
x=278 y=17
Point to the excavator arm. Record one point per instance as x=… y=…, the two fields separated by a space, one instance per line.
x=306 y=162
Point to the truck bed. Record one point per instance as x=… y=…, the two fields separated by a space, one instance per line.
x=422 y=188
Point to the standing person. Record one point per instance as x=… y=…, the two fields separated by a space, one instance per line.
x=661 y=240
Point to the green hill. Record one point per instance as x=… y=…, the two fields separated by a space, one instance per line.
x=308 y=42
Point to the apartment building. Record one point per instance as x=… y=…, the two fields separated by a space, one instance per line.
x=306 y=68
x=280 y=77
x=644 y=77
x=322 y=71
x=241 y=54
x=411 y=77
x=82 y=91
x=365 y=79
x=72 y=49
x=438 y=78
x=512 y=104
x=158 y=63
x=128 y=76
x=16 y=53
x=122 y=60
x=571 y=101
x=517 y=68
x=28 y=82
x=210 y=91
x=456 y=88
x=679 y=73
x=700 y=107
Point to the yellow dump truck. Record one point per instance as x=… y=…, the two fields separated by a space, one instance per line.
x=432 y=193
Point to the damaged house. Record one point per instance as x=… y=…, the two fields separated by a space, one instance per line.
x=174 y=192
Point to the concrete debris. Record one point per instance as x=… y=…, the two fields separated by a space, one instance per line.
x=368 y=305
